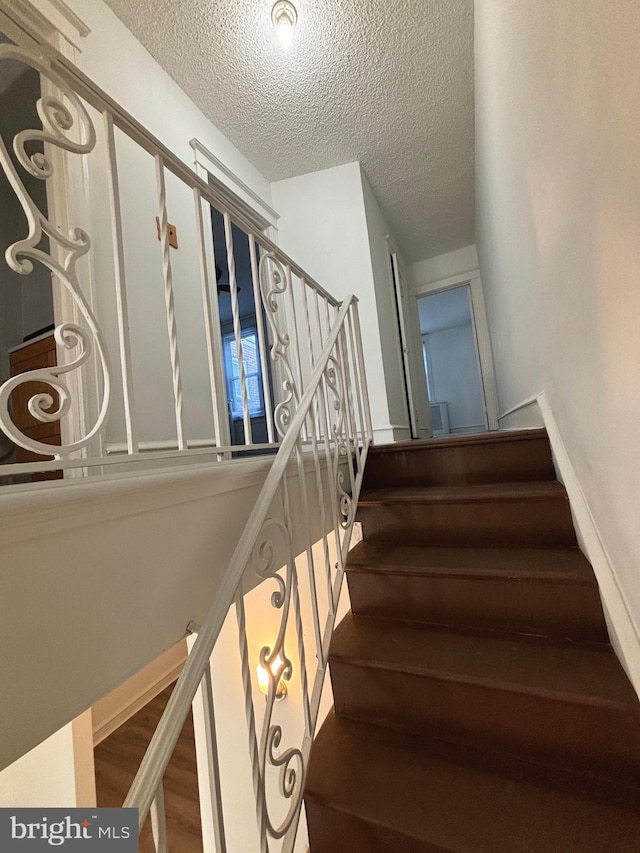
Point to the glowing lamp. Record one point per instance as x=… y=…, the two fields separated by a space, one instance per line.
x=279 y=669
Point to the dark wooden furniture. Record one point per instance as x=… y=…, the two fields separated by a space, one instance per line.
x=30 y=356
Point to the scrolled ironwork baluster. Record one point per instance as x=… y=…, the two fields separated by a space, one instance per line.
x=278 y=667
x=335 y=382
x=58 y=120
x=274 y=283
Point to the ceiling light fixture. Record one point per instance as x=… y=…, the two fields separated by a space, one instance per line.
x=284 y=17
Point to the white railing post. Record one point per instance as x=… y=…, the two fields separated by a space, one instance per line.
x=360 y=432
x=208 y=758
x=362 y=370
x=172 y=328
x=247 y=685
x=262 y=340
x=120 y=285
x=294 y=332
x=212 y=332
x=297 y=608
x=159 y=821
x=237 y=330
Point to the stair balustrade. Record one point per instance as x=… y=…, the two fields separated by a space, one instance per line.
x=185 y=339
x=277 y=546
x=305 y=366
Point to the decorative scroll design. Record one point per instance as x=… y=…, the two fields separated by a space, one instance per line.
x=334 y=380
x=58 y=118
x=274 y=283
x=272 y=548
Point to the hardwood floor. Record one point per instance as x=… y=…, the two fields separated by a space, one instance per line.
x=118 y=757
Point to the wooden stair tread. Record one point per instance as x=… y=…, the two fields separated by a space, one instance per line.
x=402 y=788
x=500 y=437
x=561 y=671
x=567 y=565
x=479 y=707
x=462 y=494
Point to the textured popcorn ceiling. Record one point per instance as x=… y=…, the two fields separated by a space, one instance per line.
x=387 y=83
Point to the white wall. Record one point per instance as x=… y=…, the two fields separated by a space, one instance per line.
x=118 y=706
x=113 y=571
x=44 y=777
x=117 y=62
x=378 y=230
x=323 y=225
x=100 y=576
x=558 y=219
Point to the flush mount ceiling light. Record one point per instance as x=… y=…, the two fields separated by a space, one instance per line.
x=284 y=17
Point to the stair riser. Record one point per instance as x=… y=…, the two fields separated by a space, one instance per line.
x=500 y=523
x=494 y=462
x=554 y=610
x=334 y=831
x=588 y=738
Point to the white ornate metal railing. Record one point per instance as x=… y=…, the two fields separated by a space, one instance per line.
x=304 y=491
x=108 y=268
x=307 y=372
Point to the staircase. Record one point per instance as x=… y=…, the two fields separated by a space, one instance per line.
x=478 y=703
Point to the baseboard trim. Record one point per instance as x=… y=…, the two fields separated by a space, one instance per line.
x=624 y=632
x=142 y=690
x=524 y=415
x=390 y=433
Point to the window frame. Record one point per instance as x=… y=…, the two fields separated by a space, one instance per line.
x=229 y=352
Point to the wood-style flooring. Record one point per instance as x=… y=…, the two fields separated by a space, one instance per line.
x=118 y=757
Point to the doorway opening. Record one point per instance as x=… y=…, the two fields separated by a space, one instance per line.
x=452 y=363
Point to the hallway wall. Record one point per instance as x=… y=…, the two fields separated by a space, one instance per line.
x=558 y=225
x=324 y=226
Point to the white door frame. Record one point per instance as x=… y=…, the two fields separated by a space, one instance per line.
x=414 y=376
x=404 y=341
x=480 y=327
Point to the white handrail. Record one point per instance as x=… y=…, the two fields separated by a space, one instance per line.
x=150 y=774
x=315 y=391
